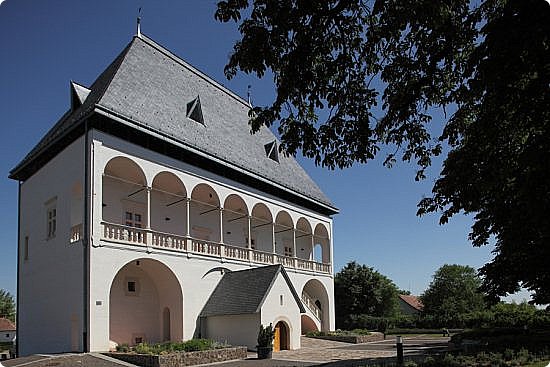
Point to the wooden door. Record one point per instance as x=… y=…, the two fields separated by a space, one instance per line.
x=277 y=338
x=283 y=338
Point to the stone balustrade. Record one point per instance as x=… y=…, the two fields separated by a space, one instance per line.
x=166 y=241
x=308 y=301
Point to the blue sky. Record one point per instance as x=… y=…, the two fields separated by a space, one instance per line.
x=46 y=44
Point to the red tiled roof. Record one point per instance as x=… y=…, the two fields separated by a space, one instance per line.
x=412 y=301
x=6 y=325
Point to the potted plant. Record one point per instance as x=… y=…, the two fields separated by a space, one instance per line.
x=265 y=342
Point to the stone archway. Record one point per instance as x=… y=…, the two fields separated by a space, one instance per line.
x=145 y=304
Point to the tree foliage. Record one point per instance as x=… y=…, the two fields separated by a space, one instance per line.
x=7 y=305
x=359 y=289
x=354 y=77
x=452 y=294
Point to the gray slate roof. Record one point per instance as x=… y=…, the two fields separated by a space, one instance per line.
x=243 y=292
x=149 y=87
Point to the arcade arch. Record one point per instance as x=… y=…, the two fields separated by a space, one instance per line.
x=316 y=300
x=145 y=304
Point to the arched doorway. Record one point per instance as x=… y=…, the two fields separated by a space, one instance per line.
x=145 y=304
x=282 y=337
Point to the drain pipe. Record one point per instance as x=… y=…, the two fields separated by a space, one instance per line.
x=85 y=242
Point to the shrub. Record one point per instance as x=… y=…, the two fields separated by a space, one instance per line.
x=123 y=348
x=192 y=345
x=338 y=333
x=265 y=336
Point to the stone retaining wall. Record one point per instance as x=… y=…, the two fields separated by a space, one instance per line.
x=182 y=358
x=355 y=339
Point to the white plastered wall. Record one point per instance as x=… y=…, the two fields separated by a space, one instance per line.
x=280 y=305
x=237 y=330
x=50 y=292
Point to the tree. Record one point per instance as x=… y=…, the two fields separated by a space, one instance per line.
x=359 y=289
x=354 y=77
x=452 y=294
x=7 y=305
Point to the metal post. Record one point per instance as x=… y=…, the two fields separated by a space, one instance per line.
x=399 y=345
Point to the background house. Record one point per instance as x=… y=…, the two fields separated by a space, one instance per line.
x=410 y=305
x=7 y=331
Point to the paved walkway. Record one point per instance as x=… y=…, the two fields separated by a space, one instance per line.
x=313 y=352
x=316 y=352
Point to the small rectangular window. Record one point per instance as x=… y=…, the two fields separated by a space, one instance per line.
x=26 y=248
x=252 y=243
x=133 y=219
x=288 y=251
x=51 y=217
x=131 y=286
x=281 y=300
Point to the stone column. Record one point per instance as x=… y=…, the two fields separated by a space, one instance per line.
x=148 y=234
x=312 y=255
x=273 y=238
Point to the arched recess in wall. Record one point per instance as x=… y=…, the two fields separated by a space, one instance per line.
x=168 y=204
x=145 y=304
x=322 y=244
x=316 y=301
x=205 y=213
x=304 y=243
x=235 y=221
x=284 y=227
x=261 y=227
x=124 y=198
x=308 y=324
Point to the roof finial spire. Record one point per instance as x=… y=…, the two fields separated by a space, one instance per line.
x=139 y=23
x=248 y=95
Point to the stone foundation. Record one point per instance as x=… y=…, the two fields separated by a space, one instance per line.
x=181 y=358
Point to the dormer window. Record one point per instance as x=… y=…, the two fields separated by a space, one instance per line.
x=271 y=151
x=194 y=111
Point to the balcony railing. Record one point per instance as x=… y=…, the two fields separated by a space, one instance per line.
x=149 y=238
x=308 y=301
x=76 y=233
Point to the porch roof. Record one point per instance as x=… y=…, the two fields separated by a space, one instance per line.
x=243 y=292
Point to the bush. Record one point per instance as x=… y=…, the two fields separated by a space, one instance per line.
x=501 y=315
x=338 y=333
x=265 y=336
x=192 y=345
x=482 y=359
x=505 y=340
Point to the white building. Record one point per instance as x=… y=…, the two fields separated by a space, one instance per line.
x=141 y=206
